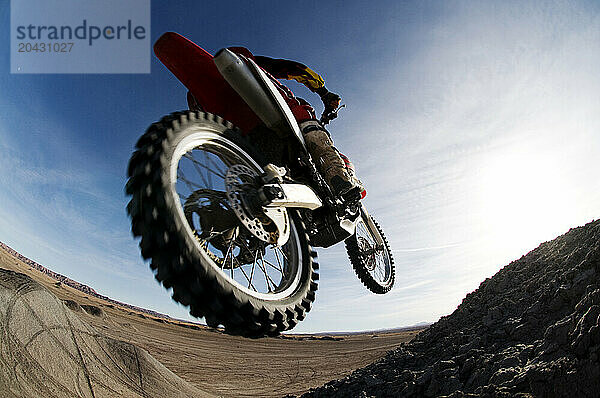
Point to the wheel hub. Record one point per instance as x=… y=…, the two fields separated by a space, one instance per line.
x=270 y=225
x=368 y=253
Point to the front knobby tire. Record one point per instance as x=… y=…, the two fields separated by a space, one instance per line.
x=370 y=255
x=185 y=259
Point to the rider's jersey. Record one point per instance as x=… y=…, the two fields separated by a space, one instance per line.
x=291 y=70
x=285 y=69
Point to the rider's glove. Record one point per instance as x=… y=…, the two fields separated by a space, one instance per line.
x=330 y=100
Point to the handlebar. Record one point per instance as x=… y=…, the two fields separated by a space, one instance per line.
x=327 y=117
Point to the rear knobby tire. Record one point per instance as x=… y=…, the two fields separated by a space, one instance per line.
x=180 y=262
x=375 y=269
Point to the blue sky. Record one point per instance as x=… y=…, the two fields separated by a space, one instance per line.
x=474 y=125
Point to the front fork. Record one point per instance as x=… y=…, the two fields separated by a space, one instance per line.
x=277 y=193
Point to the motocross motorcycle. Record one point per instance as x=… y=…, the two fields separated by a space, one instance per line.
x=229 y=215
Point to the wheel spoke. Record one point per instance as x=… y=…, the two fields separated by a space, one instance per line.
x=381 y=266
x=190 y=157
x=248 y=279
x=274 y=267
x=370 y=236
x=198 y=170
x=188 y=183
x=210 y=161
x=208 y=175
x=227 y=253
x=384 y=274
x=283 y=254
x=278 y=261
x=380 y=272
x=363 y=232
x=214 y=235
x=267 y=278
x=252 y=271
x=367 y=234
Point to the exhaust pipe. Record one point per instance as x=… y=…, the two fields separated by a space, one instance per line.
x=259 y=92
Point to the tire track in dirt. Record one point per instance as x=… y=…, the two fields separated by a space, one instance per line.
x=46 y=350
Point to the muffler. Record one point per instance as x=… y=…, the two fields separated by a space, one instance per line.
x=258 y=91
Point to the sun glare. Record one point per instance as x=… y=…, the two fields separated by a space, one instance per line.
x=525 y=200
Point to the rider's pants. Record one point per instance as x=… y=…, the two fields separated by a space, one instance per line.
x=318 y=141
x=326 y=156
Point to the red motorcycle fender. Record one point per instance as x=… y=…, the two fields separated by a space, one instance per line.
x=194 y=67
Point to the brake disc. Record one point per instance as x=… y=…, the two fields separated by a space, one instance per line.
x=368 y=253
x=272 y=225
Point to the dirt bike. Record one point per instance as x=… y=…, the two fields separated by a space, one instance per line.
x=229 y=219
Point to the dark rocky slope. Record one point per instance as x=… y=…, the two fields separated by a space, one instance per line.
x=531 y=330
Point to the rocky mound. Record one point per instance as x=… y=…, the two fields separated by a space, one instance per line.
x=46 y=350
x=93 y=310
x=73 y=305
x=531 y=330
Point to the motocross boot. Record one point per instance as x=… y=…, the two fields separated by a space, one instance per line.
x=328 y=160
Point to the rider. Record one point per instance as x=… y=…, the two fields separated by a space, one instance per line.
x=318 y=140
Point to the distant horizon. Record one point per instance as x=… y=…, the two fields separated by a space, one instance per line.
x=4 y=246
x=417 y=325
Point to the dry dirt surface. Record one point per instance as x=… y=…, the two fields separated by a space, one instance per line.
x=47 y=351
x=533 y=330
x=56 y=341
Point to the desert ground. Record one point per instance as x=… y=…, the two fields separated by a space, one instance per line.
x=531 y=330
x=216 y=363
